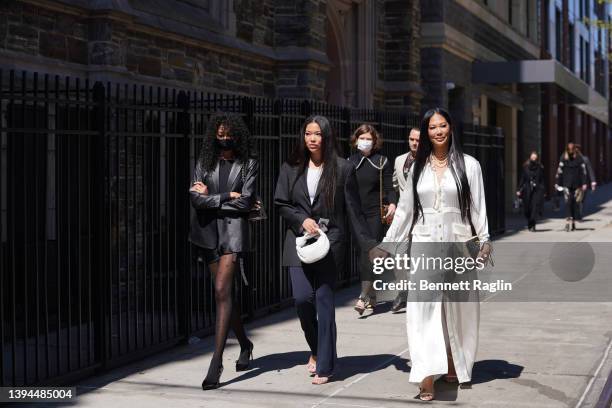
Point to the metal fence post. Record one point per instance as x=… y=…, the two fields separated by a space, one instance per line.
x=248 y=111
x=305 y=109
x=103 y=296
x=184 y=127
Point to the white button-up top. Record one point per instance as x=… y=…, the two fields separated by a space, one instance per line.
x=441 y=221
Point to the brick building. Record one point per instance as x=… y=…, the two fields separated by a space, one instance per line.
x=349 y=52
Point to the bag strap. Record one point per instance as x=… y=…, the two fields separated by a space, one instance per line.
x=380 y=183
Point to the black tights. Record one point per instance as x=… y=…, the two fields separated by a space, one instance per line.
x=228 y=311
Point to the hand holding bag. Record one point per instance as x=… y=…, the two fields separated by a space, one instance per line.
x=311 y=253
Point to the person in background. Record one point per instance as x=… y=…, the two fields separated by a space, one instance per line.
x=531 y=189
x=404 y=161
x=571 y=178
x=591 y=181
x=401 y=169
x=374 y=178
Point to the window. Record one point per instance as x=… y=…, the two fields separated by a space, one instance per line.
x=216 y=15
x=220 y=10
x=587 y=66
x=559 y=35
x=572 y=47
x=510 y=12
x=582 y=60
x=546 y=24
x=528 y=19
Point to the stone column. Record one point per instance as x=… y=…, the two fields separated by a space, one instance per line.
x=300 y=47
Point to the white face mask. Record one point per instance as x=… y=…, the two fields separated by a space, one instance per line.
x=364 y=145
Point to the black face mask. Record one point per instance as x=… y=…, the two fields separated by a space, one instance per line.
x=225 y=144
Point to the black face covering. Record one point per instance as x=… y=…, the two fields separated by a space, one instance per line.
x=225 y=144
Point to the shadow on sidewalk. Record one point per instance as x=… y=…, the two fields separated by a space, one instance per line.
x=273 y=362
x=348 y=366
x=489 y=370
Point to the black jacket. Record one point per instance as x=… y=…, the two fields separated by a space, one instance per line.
x=368 y=178
x=223 y=224
x=572 y=172
x=294 y=206
x=531 y=185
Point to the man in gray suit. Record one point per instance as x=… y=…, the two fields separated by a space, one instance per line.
x=400 y=183
x=404 y=161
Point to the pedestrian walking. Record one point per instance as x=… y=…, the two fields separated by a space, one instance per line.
x=401 y=169
x=531 y=189
x=378 y=200
x=591 y=180
x=316 y=188
x=223 y=193
x=444 y=202
x=404 y=161
x=571 y=178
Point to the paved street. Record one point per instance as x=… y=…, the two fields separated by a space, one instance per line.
x=531 y=354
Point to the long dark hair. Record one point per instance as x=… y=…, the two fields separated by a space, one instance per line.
x=209 y=151
x=528 y=161
x=301 y=156
x=456 y=165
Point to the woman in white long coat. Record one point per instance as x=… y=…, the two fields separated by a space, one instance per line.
x=447 y=205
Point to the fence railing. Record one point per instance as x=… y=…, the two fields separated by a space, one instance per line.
x=95 y=265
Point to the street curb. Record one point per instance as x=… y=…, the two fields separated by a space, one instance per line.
x=605 y=399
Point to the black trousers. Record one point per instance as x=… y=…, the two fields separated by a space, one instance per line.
x=572 y=205
x=313 y=290
x=531 y=212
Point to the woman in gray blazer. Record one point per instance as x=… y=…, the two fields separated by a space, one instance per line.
x=223 y=193
x=316 y=184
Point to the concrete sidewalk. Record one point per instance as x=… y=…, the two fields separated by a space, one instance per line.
x=545 y=354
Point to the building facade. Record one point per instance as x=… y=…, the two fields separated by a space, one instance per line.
x=509 y=63
x=575 y=33
x=356 y=53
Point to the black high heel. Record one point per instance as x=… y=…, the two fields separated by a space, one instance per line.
x=244 y=359
x=211 y=382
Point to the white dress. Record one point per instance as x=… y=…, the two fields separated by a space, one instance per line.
x=442 y=223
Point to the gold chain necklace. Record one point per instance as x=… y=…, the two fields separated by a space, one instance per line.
x=439 y=163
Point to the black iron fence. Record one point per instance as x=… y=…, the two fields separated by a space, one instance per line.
x=95 y=266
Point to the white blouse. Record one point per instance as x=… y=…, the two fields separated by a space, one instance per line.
x=441 y=221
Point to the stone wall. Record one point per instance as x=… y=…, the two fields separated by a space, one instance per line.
x=35 y=31
x=269 y=48
x=399 y=53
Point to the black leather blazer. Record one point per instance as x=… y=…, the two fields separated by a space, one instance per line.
x=218 y=223
x=293 y=203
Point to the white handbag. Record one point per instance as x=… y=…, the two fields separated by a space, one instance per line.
x=314 y=251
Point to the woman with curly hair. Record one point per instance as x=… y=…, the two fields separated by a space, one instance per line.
x=223 y=193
